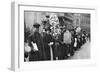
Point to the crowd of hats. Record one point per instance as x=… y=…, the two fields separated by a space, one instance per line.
x=77 y=40
x=68 y=50
x=79 y=37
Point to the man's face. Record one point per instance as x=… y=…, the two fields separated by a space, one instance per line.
x=33 y=29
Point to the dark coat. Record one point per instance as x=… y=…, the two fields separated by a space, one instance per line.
x=40 y=54
x=47 y=38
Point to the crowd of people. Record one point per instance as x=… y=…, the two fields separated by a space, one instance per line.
x=56 y=41
x=44 y=46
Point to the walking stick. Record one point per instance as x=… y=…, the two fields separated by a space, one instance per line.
x=51 y=51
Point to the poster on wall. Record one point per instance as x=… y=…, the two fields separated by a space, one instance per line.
x=45 y=36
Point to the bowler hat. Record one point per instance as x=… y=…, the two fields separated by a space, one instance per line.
x=47 y=16
x=36 y=25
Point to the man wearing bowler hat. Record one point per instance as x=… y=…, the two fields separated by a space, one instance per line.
x=37 y=39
